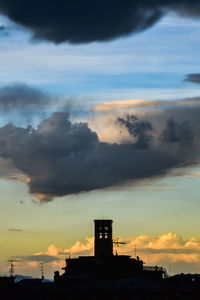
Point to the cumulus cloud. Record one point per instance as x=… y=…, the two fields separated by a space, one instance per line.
x=181 y=254
x=91 y=20
x=31 y=264
x=80 y=248
x=60 y=158
x=161 y=250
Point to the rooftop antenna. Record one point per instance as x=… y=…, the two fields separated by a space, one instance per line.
x=42 y=270
x=135 y=251
x=116 y=243
x=12 y=267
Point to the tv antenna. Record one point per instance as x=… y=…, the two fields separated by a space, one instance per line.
x=42 y=270
x=12 y=267
x=135 y=251
x=116 y=243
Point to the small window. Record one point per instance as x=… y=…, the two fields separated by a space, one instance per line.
x=106 y=228
x=106 y=236
x=100 y=228
x=100 y=235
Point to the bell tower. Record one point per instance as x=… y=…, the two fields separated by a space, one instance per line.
x=103 y=243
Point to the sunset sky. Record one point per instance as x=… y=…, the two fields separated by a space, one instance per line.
x=100 y=126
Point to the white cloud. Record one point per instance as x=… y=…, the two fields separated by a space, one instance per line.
x=164 y=250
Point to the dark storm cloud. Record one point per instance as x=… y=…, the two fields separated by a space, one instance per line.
x=91 y=20
x=30 y=102
x=177 y=132
x=194 y=78
x=21 y=96
x=62 y=158
x=139 y=129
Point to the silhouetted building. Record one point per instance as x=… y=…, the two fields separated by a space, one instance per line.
x=6 y=282
x=104 y=276
x=104 y=265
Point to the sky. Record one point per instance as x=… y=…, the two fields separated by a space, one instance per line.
x=99 y=124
